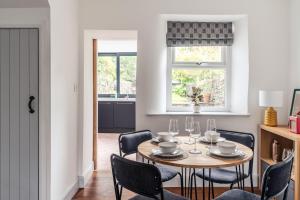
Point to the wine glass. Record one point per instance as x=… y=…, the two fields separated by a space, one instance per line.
x=173 y=127
x=196 y=134
x=211 y=128
x=189 y=127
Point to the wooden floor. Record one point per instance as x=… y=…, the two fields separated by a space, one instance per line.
x=100 y=187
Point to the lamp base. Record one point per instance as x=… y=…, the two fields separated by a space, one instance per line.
x=270 y=117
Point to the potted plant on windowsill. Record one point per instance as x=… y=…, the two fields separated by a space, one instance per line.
x=196 y=98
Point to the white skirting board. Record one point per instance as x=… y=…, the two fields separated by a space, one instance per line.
x=71 y=191
x=83 y=180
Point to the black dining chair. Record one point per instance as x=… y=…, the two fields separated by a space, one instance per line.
x=275 y=183
x=128 y=144
x=141 y=178
x=228 y=176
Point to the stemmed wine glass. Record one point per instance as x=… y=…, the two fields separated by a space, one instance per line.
x=189 y=127
x=196 y=134
x=173 y=127
x=211 y=128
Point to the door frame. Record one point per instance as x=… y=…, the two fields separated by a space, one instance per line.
x=95 y=104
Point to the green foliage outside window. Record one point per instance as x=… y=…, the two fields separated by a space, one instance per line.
x=211 y=81
x=198 y=54
x=128 y=74
x=107 y=75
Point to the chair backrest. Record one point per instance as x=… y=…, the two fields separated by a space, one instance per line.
x=140 y=178
x=246 y=139
x=276 y=179
x=128 y=142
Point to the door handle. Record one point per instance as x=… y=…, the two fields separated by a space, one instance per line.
x=31 y=110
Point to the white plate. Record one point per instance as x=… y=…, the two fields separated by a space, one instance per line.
x=156 y=140
x=205 y=140
x=217 y=152
x=176 y=153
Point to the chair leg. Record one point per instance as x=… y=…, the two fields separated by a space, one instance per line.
x=231 y=185
x=181 y=183
x=251 y=182
x=121 y=190
x=237 y=177
x=196 y=195
x=191 y=185
x=184 y=181
x=212 y=190
x=203 y=184
x=242 y=176
x=285 y=194
x=209 y=182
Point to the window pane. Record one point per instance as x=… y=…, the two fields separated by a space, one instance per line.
x=211 y=81
x=198 y=54
x=107 y=78
x=128 y=75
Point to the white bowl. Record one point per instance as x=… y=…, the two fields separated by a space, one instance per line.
x=164 y=136
x=167 y=147
x=212 y=135
x=227 y=147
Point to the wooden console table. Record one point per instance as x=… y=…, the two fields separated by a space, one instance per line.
x=286 y=139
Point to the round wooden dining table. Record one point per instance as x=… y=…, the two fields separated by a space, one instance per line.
x=191 y=162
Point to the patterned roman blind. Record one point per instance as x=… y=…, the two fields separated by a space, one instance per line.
x=199 y=34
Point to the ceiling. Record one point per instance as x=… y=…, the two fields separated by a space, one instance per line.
x=23 y=3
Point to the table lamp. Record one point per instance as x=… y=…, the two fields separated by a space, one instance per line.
x=270 y=99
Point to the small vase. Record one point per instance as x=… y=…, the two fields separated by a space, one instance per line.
x=196 y=108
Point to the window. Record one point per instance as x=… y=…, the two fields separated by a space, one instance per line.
x=207 y=67
x=117 y=74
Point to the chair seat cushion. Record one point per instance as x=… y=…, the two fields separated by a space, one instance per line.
x=238 y=195
x=167 y=196
x=222 y=176
x=166 y=173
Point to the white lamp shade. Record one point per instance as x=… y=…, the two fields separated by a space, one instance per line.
x=270 y=98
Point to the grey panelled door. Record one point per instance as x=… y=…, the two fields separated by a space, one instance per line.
x=19 y=138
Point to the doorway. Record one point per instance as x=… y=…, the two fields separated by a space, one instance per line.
x=115 y=62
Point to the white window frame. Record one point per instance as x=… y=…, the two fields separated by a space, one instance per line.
x=225 y=64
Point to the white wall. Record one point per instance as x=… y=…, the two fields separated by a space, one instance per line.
x=64 y=104
x=37 y=18
x=112 y=46
x=295 y=45
x=268 y=50
x=240 y=67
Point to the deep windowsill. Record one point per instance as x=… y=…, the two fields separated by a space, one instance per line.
x=201 y=113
